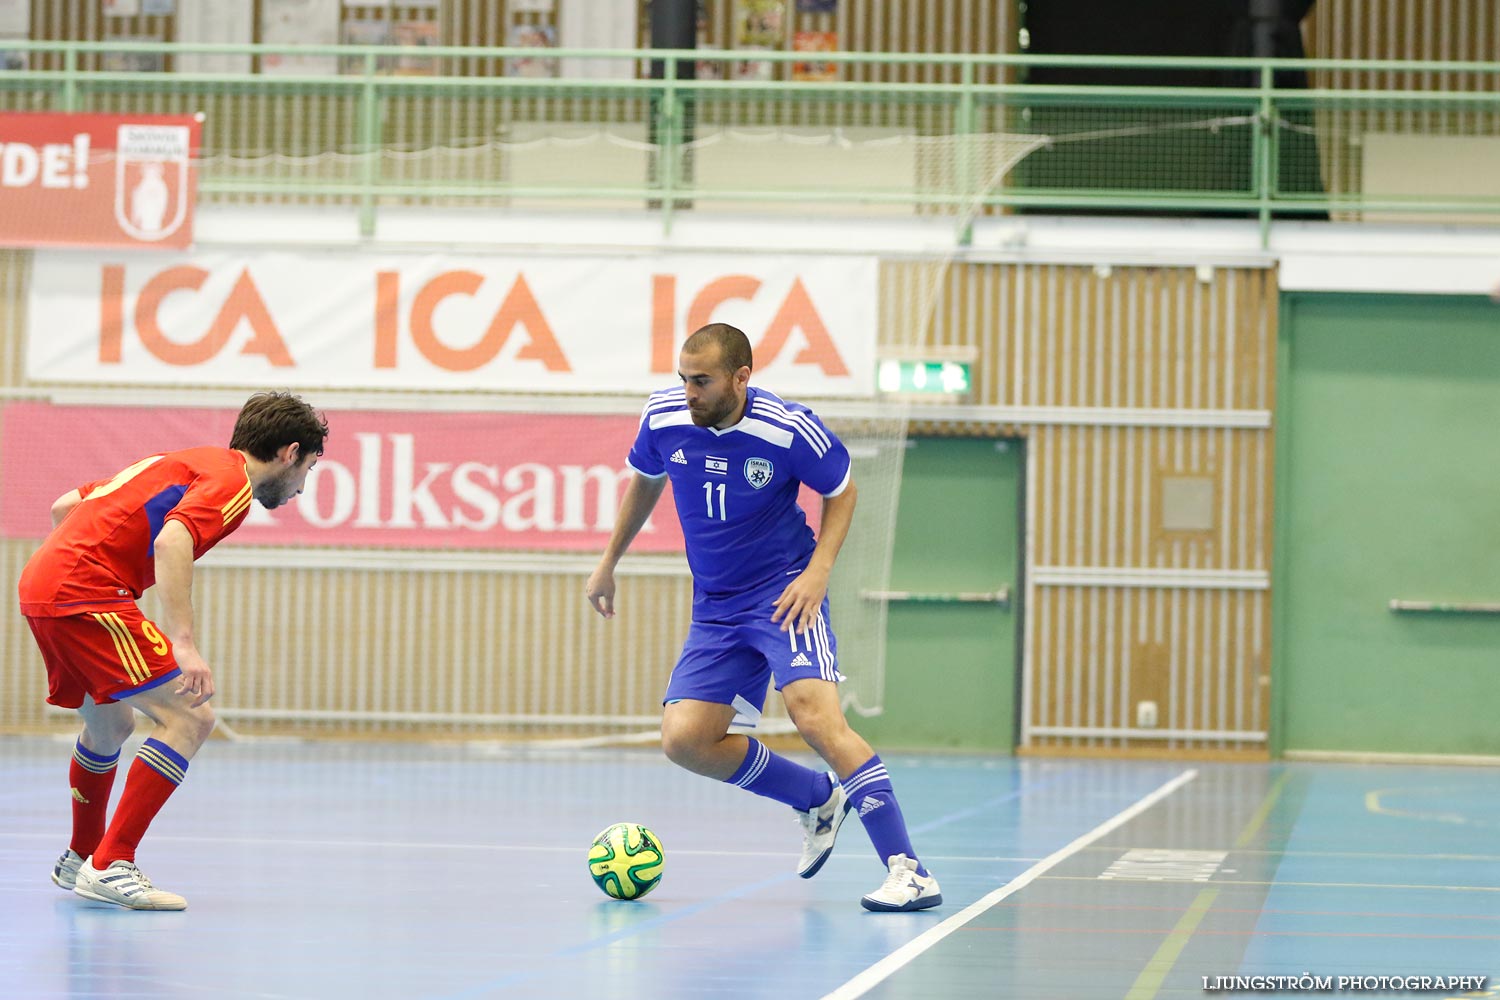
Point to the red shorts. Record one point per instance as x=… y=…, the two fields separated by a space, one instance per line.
x=107 y=655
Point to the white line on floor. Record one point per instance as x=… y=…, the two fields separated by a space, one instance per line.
x=888 y=966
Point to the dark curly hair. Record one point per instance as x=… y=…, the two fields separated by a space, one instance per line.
x=270 y=420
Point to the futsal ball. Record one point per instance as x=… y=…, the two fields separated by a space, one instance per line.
x=626 y=861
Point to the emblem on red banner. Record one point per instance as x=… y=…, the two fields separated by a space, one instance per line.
x=151 y=179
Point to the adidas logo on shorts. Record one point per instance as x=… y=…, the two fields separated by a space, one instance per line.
x=678 y=457
x=801 y=660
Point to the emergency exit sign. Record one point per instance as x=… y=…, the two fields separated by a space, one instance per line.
x=939 y=378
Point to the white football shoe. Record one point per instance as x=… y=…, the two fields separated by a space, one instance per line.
x=820 y=826
x=65 y=872
x=123 y=884
x=903 y=889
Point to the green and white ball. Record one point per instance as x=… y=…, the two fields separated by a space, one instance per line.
x=626 y=861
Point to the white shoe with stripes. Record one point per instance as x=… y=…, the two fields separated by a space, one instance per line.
x=820 y=827
x=903 y=889
x=65 y=872
x=123 y=885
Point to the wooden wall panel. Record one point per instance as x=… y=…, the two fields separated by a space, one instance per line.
x=1432 y=30
x=1429 y=30
x=1201 y=655
x=1069 y=336
x=362 y=651
x=1119 y=609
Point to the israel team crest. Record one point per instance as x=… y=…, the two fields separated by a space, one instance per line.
x=758 y=471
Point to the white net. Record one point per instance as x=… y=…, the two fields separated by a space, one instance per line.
x=877 y=445
x=864 y=170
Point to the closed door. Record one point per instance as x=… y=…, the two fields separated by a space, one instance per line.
x=951 y=679
x=1390 y=493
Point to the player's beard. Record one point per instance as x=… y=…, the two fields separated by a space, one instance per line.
x=272 y=493
x=715 y=416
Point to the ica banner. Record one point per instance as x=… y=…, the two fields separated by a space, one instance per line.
x=574 y=323
x=93 y=180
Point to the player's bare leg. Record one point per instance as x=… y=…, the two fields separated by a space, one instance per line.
x=695 y=735
x=814 y=707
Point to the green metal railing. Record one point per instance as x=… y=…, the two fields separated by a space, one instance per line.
x=940 y=135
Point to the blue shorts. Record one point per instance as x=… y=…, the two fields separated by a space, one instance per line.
x=728 y=661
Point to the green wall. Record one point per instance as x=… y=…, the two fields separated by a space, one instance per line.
x=1388 y=486
x=951 y=668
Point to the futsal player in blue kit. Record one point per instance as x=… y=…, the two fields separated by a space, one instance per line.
x=736 y=456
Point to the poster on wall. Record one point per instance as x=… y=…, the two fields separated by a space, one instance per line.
x=753 y=70
x=133 y=62
x=98 y=180
x=760 y=24
x=445 y=321
x=414 y=34
x=815 y=41
x=532 y=36
x=299 y=22
x=362 y=31
x=711 y=68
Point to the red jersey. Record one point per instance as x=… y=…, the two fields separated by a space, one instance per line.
x=103 y=555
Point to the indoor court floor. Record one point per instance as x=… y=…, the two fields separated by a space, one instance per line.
x=322 y=871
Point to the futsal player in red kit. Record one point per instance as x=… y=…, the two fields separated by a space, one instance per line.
x=111 y=539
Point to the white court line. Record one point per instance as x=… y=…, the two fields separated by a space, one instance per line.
x=888 y=966
x=417 y=845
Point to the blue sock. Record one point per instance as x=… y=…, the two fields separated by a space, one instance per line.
x=870 y=795
x=775 y=777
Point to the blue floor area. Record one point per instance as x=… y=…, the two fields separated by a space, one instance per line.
x=326 y=870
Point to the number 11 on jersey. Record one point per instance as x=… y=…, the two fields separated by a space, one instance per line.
x=708 y=497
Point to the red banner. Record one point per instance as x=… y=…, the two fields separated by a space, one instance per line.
x=97 y=180
x=500 y=481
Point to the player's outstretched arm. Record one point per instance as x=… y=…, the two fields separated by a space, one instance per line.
x=174 y=585
x=640 y=500
x=798 y=605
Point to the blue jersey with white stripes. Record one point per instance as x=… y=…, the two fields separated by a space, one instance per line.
x=736 y=488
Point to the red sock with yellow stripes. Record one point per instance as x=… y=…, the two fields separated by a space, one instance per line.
x=90 y=776
x=155 y=775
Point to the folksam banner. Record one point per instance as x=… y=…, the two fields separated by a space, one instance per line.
x=388 y=479
x=89 y=180
x=573 y=323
